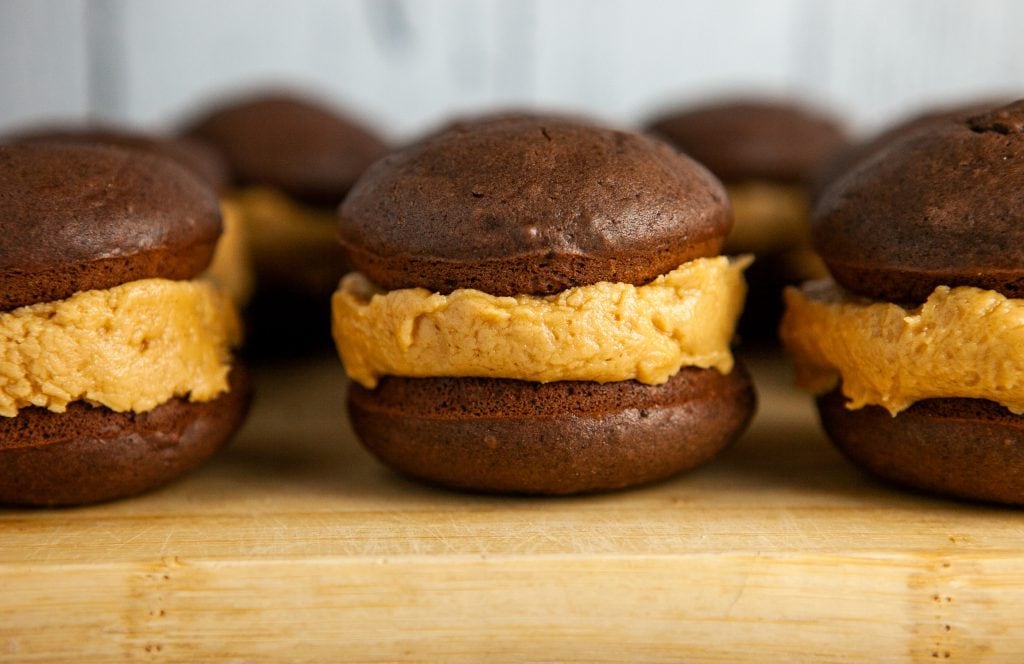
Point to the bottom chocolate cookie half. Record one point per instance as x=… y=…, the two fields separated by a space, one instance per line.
x=511 y=436
x=968 y=448
x=90 y=454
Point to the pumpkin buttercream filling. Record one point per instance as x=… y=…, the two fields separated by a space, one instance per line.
x=290 y=242
x=231 y=268
x=961 y=342
x=769 y=217
x=601 y=332
x=129 y=348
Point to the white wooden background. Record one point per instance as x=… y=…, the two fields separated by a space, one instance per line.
x=405 y=64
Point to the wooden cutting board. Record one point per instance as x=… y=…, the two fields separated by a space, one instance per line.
x=295 y=545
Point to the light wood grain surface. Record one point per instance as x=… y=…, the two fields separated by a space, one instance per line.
x=295 y=545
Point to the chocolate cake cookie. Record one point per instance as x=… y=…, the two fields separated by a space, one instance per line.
x=622 y=213
x=540 y=308
x=516 y=436
x=923 y=241
x=972 y=448
x=198 y=157
x=768 y=154
x=116 y=365
x=89 y=453
x=472 y=121
x=922 y=212
x=750 y=139
x=230 y=267
x=309 y=152
x=115 y=222
x=852 y=154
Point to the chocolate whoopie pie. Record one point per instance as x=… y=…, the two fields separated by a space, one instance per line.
x=768 y=153
x=540 y=308
x=292 y=161
x=740 y=140
x=916 y=345
x=230 y=268
x=117 y=374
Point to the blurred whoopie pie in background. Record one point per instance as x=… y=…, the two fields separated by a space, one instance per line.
x=767 y=153
x=291 y=162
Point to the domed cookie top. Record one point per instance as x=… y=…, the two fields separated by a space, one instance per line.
x=82 y=217
x=308 y=151
x=846 y=158
x=938 y=206
x=465 y=123
x=200 y=158
x=531 y=207
x=745 y=139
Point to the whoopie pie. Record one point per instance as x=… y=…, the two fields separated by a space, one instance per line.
x=539 y=307
x=916 y=344
x=116 y=370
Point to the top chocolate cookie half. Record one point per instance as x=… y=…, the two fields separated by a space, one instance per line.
x=310 y=152
x=531 y=207
x=746 y=139
x=482 y=120
x=82 y=217
x=197 y=156
x=941 y=205
x=852 y=154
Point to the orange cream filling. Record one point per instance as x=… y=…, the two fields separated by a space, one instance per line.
x=962 y=342
x=129 y=348
x=601 y=332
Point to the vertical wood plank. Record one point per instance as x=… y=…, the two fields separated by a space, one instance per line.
x=624 y=59
x=43 y=72
x=106 y=60
x=177 y=51
x=885 y=59
x=402 y=64
x=408 y=63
